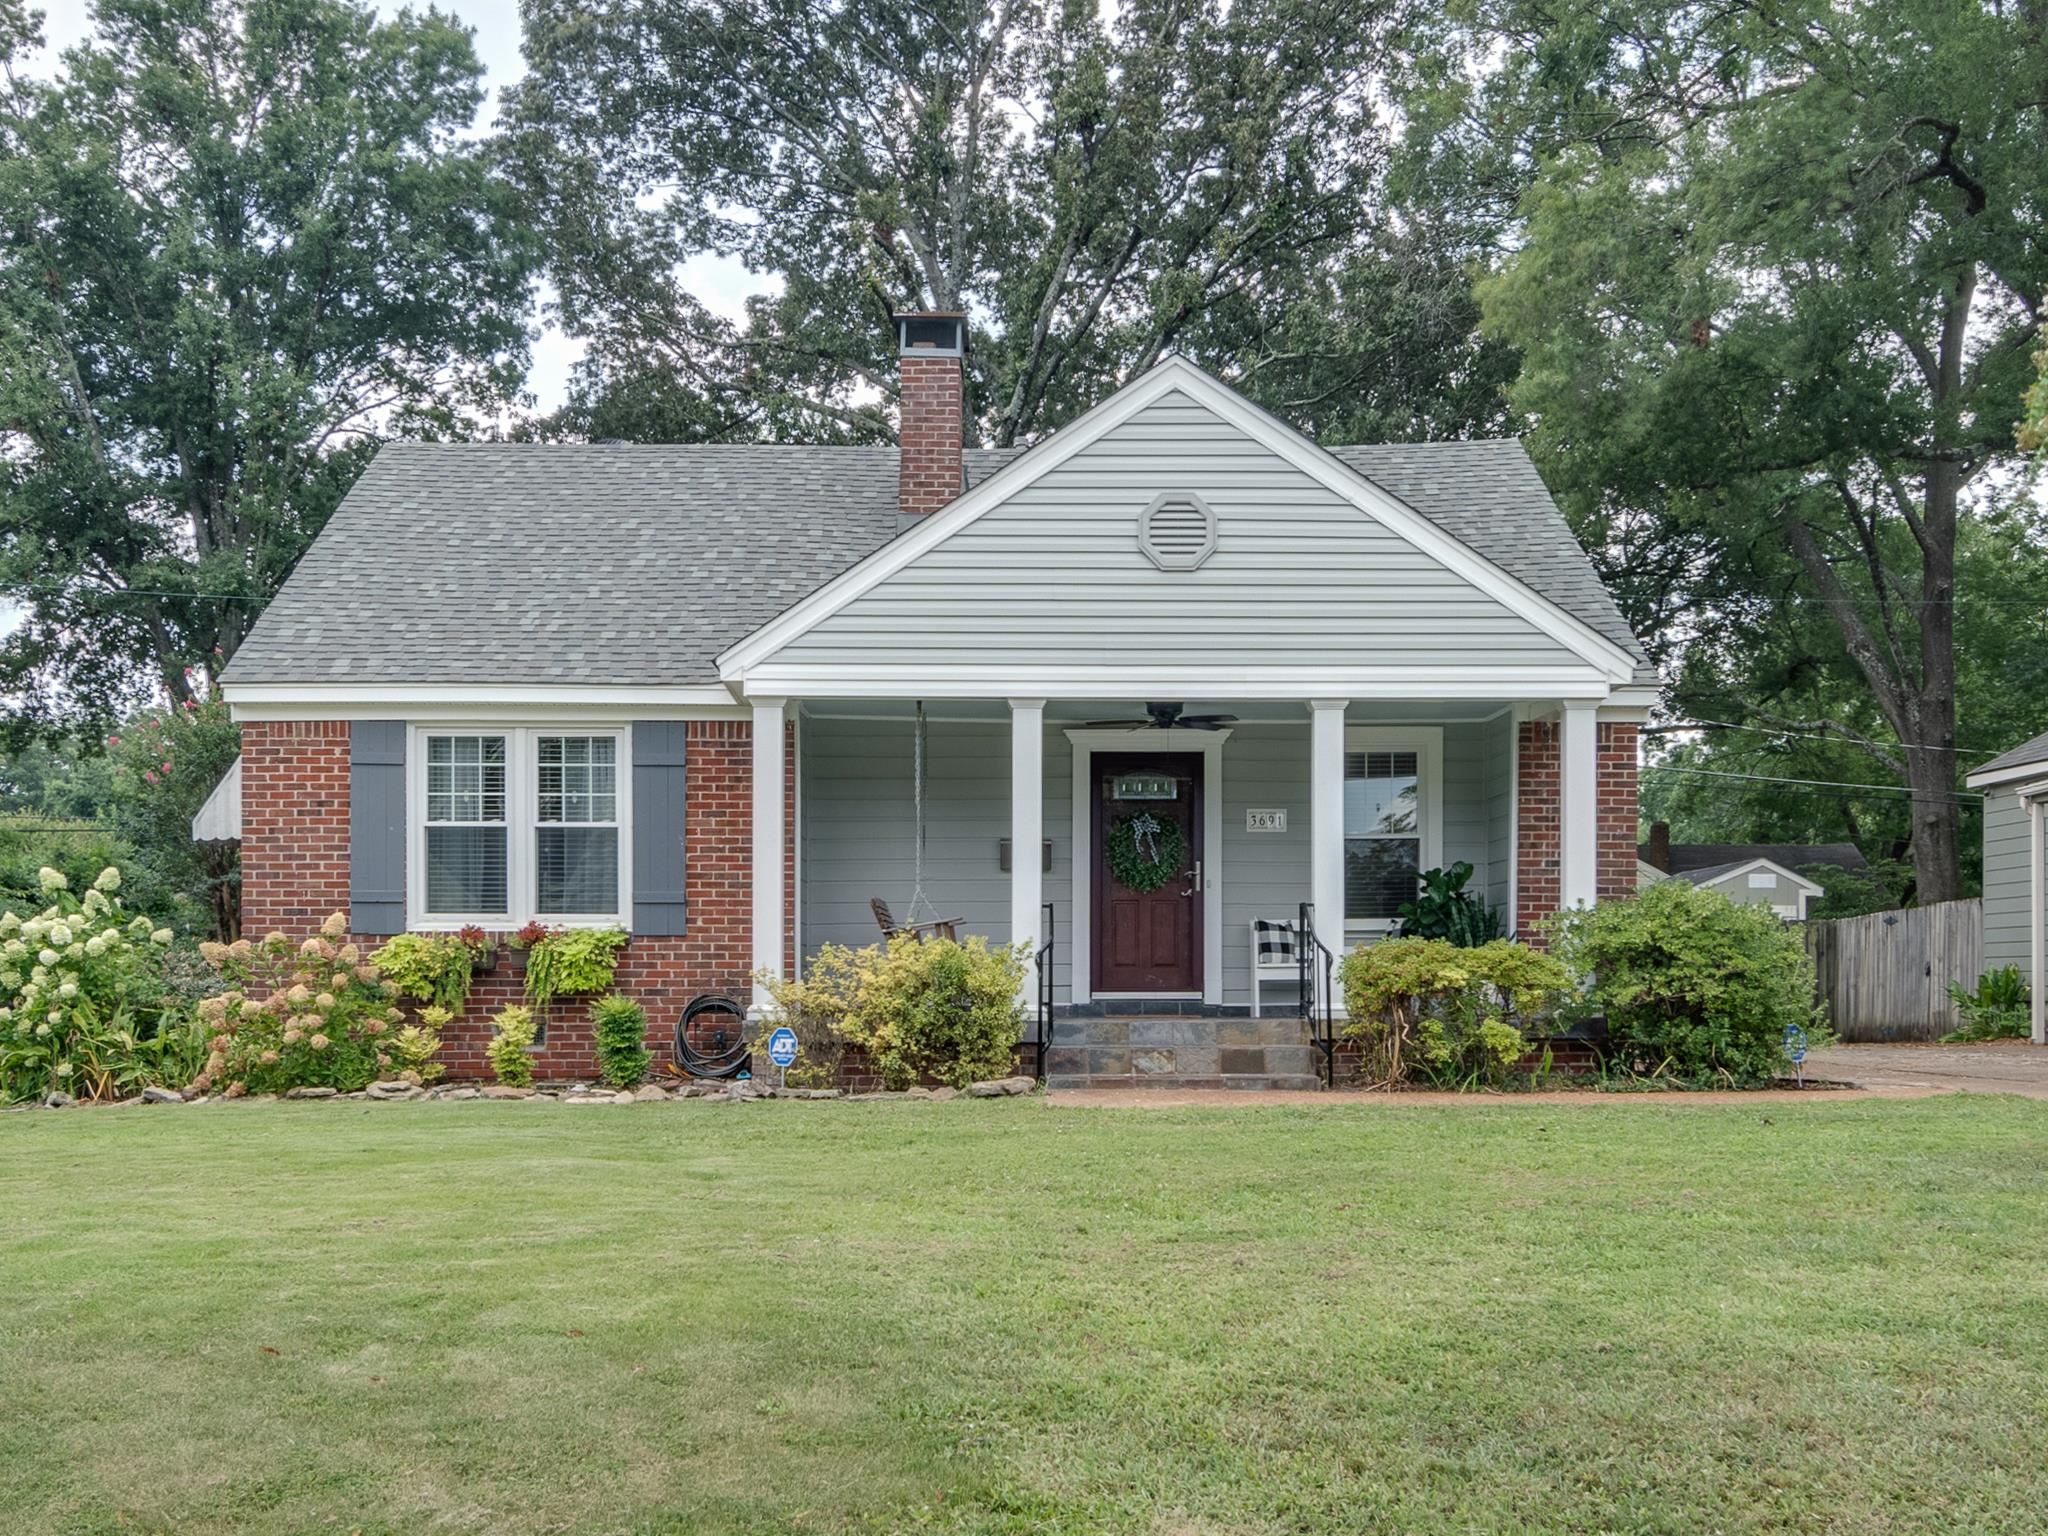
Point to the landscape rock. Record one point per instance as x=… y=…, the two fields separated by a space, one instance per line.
x=649 y=1093
x=461 y=1093
x=395 y=1091
x=155 y=1095
x=311 y=1093
x=58 y=1101
x=1002 y=1087
x=877 y=1096
x=918 y=1093
x=505 y=1091
x=940 y=1095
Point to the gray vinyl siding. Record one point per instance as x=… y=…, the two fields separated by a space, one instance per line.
x=2007 y=896
x=857 y=829
x=1055 y=575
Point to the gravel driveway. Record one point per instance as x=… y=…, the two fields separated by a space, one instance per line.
x=1995 y=1066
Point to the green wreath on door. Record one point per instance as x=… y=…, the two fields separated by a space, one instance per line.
x=1146 y=851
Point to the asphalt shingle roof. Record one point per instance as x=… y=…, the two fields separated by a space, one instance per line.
x=1693 y=859
x=639 y=563
x=2021 y=756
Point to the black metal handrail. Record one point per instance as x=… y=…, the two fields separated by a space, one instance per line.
x=1043 y=961
x=1315 y=962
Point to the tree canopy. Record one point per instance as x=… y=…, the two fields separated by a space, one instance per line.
x=239 y=243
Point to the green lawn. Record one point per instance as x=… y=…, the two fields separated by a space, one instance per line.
x=1622 y=1315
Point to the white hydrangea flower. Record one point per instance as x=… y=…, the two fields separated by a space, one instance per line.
x=55 y=1016
x=68 y=990
x=94 y=904
x=63 y=1069
x=60 y=934
x=52 y=880
x=161 y=936
x=14 y=947
x=96 y=945
x=109 y=880
x=42 y=1031
x=74 y=949
x=139 y=926
x=10 y=921
x=49 y=957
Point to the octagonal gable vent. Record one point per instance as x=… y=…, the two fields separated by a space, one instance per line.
x=1177 y=532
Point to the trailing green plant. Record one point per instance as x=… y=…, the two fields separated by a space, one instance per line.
x=566 y=962
x=621 y=1032
x=1432 y=1011
x=415 y=1046
x=82 y=994
x=510 y=1051
x=310 y=1014
x=432 y=967
x=937 y=1009
x=1995 y=1009
x=1695 y=987
x=1444 y=909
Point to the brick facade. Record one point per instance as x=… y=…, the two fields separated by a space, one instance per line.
x=295 y=842
x=930 y=432
x=1620 y=810
x=1539 y=793
x=1539 y=822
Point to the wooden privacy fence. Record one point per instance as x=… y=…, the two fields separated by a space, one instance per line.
x=1885 y=975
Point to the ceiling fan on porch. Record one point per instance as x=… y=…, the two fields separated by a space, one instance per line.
x=1165 y=717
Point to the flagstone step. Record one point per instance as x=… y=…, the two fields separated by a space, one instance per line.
x=1303 y=1082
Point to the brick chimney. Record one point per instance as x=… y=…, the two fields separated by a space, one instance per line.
x=932 y=348
x=1659 y=856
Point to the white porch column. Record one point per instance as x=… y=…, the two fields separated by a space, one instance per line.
x=1579 y=832
x=1027 y=826
x=1326 y=821
x=770 y=921
x=2037 y=923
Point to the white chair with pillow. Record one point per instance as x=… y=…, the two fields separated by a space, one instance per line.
x=1273 y=955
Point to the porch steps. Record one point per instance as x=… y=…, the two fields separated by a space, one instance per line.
x=1150 y=1051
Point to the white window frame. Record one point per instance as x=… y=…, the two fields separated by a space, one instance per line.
x=522 y=821
x=1427 y=743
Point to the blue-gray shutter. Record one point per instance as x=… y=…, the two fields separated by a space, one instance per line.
x=376 y=826
x=658 y=795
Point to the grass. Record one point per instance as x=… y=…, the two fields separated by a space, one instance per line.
x=1012 y=1317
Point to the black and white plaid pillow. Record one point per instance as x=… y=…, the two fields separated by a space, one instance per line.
x=1275 y=940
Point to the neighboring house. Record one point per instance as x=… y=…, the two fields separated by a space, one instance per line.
x=1756 y=874
x=2015 y=789
x=680 y=688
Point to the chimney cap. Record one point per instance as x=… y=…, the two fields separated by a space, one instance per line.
x=931 y=332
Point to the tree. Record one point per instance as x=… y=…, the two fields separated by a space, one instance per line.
x=239 y=241
x=1776 y=295
x=1198 y=176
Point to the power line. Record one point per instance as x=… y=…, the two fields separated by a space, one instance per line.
x=1954 y=797
x=1762 y=730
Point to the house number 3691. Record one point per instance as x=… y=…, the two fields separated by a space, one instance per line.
x=1265 y=821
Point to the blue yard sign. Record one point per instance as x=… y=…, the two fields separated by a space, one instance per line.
x=782 y=1046
x=1795 y=1051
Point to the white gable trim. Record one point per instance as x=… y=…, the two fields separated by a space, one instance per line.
x=1804 y=884
x=1172 y=374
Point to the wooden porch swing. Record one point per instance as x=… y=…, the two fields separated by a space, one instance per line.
x=933 y=925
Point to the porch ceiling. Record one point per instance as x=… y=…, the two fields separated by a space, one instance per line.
x=1066 y=713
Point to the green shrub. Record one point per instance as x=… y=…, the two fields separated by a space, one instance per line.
x=314 y=1014
x=569 y=961
x=1995 y=1009
x=1694 y=986
x=621 y=1029
x=415 y=1046
x=432 y=967
x=83 y=1000
x=511 y=1049
x=1444 y=909
x=1433 y=1011
x=933 y=1009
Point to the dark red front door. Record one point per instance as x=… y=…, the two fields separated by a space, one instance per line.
x=1148 y=941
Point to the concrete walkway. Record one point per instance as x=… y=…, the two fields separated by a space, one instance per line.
x=1994 y=1066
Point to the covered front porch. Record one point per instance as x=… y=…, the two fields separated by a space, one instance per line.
x=1262 y=805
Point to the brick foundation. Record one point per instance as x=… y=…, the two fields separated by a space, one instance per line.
x=295 y=842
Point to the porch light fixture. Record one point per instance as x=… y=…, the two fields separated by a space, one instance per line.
x=1177 y=532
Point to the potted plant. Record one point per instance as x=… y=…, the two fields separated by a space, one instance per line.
x=483 y=950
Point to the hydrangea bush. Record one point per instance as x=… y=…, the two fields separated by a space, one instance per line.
x=296 y=1015
x=82 y=996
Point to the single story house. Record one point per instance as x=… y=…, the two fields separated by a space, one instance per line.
x=2015 y=789
x=725 y=696
x=1754 y=874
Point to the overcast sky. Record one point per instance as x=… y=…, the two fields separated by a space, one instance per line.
x=720 y=283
